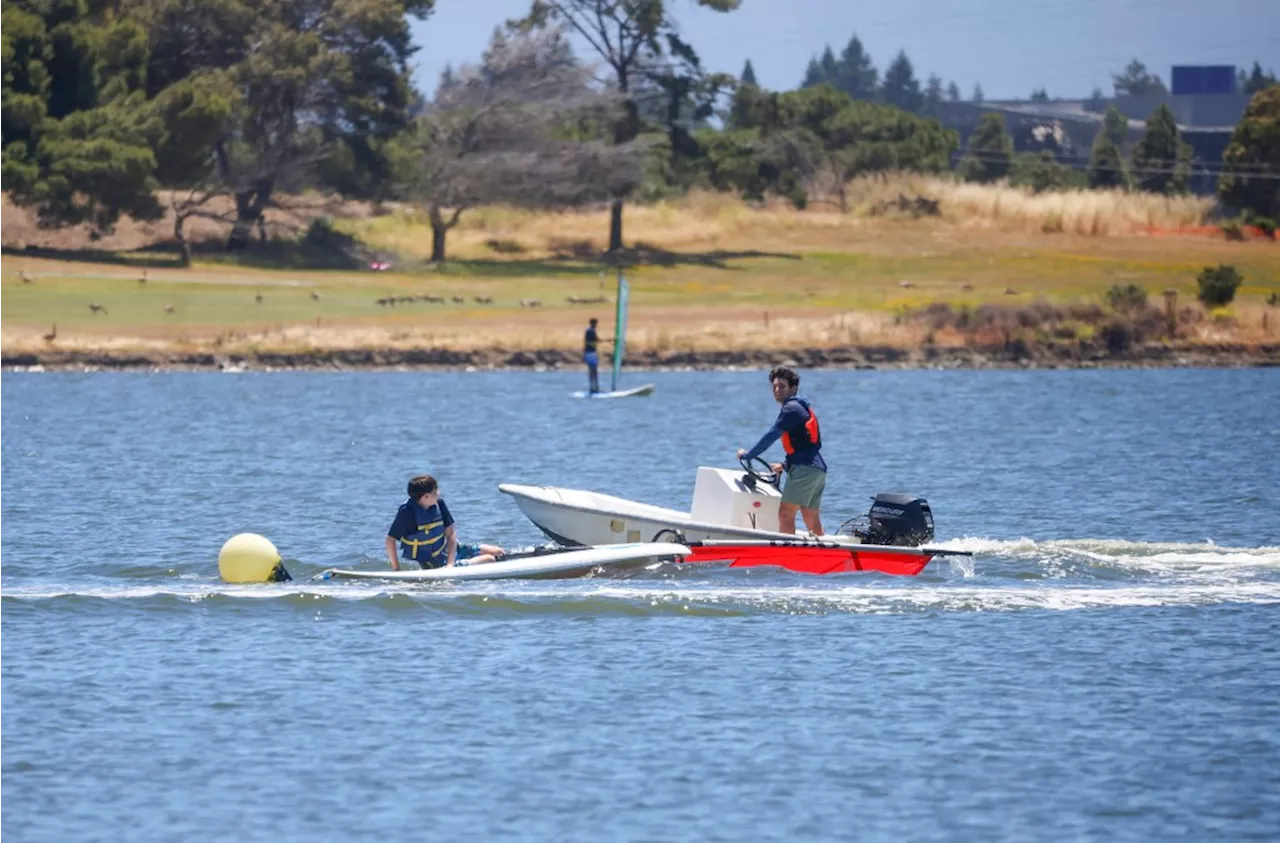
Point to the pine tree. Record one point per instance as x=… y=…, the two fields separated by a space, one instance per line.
x=1254 y=150
x=446 y=78
x=901 y=88
x=1137 y=82
x=1161 y=161
x=953 y=92
x=1097 y=101
x=990 y=151
x=977 y=93
x=830 y=67
x=748 y=74
x=1116 y=126
x=856 y=74
x=1106 y=164
x=1259 y=81
x=932 y=94
x=1039 y=95
x=812 y=74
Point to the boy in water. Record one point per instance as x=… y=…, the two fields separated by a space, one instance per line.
x=424 y=529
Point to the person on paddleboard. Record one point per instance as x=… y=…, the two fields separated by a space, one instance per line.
x=797 y=427
x=591 y=356
x=423 y=528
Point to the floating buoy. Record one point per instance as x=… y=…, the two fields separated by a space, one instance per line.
x=249 y=557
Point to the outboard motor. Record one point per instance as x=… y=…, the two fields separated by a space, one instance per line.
x=896 y=519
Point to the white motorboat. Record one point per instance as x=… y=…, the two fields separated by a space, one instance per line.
x=727 y=505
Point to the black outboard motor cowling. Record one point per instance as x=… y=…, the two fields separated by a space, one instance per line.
x=897 y=519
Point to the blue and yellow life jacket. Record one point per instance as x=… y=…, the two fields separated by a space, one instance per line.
x=426 y=544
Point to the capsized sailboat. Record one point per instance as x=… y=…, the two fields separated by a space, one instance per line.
x=619 y=351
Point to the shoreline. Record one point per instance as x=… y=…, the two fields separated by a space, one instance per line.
x=1222 y=355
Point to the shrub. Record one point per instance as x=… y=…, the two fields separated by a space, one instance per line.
x=321 y=235
x=1266 y=225
x=1127 y=298
x=1117 y=335
x=1218 y=285
x=1233 y=230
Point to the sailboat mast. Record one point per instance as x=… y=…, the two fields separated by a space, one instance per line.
x=619 y=329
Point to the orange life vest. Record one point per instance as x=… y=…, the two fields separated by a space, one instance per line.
x=808 y=436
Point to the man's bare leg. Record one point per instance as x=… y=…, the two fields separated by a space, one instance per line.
x=811 y=520
x=787 y=517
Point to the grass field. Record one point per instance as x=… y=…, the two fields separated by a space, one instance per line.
x=709 y=272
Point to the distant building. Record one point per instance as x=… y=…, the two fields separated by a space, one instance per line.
x=1203 y=100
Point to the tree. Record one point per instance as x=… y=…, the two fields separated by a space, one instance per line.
x=1258 y=81
x=818 y=138
x=977 y=95
x=953 y=92
x=1116 y=126
x=1161 y=160
x=630 y=37
x=812 y=74
x=1135 y=81
x=748 y=76
x=901 y=88
x=1097 y=102
x=989 y=153
x=932 y=95
x=260 y=97
x=830 y=67
x=503 y=132
x=77 y=133
x=856 y=74
x=1039 y=95
x=1251 y=163
x=1106 y=163
x=1042 y=172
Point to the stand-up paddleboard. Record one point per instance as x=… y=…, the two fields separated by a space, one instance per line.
x=543 y=562
x=647 y=389
x=619 y=351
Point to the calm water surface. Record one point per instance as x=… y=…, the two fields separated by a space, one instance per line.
x=1106 y=665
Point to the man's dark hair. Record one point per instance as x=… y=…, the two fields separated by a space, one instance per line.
x=593 y=322
x=423 y=484
x=787 y=373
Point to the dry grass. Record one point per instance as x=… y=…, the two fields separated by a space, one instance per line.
x=721 y=274
x=1091 y=213
x=703 y=220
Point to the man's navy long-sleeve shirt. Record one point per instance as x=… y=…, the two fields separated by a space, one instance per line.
x=791 y=419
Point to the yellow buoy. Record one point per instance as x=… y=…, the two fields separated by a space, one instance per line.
x=249 y=557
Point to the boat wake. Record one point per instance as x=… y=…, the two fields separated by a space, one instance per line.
x=1109 y=559
x=1001 y=576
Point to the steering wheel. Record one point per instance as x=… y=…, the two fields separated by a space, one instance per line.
x=767 y=477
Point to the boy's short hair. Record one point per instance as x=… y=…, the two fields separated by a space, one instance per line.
x=787 y=373
x=423 y=484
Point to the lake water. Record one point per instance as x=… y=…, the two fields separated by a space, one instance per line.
x=1106 y=665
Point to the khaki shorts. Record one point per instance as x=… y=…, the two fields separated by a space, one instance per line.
x=804 y=486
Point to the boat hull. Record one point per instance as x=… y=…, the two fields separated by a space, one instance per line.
x=818 y=560
x=578 y=518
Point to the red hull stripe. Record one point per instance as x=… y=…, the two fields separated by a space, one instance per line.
x=813 y=560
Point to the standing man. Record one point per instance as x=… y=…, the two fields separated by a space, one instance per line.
x=797 y=426
x=590 y=342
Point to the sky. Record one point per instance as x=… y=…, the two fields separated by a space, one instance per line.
x=1009 y=46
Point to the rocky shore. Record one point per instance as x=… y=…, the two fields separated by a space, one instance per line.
x=1224 y=355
